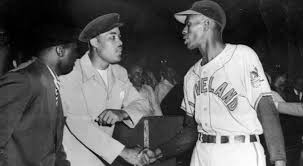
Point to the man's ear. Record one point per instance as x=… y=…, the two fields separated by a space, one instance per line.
x=206 y=24
x=60 y=50
x=94 y=42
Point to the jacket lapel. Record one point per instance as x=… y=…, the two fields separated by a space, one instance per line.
x=110 y=79
x=48 y=83
x=89 y=72
x=60 y=124
x=55 y=110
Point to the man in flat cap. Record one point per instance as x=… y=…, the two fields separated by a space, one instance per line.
x=227 y=93
x=96 y=95
x=31 y=114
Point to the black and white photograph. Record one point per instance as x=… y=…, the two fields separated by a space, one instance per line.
x=151 y=83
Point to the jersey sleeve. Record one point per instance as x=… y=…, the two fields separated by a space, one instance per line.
x=256 y=84
x=188 y=102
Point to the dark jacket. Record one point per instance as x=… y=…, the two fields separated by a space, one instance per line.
x=31 y=125
x=291 y=125
x=171 y=104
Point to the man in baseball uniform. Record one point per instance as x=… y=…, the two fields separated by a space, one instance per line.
x=228 y=95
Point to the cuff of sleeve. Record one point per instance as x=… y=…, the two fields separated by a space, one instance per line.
x=134 y=116
x=278 y=159
x=259 y=98
x=278 y=155
x=115 y=153
x=95 y=139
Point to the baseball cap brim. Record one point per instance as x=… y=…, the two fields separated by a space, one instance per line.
x=181 y=16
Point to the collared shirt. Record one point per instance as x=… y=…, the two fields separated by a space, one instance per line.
x=103 y=74
x=162 y=89
x=56 y=82
x=298 y=93
x=55 y=76
x=148 y=93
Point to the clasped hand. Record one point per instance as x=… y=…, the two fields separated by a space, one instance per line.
x=139 y=156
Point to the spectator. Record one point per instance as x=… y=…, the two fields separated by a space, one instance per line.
x=292 y=126
x=168 y=80
x=279 y=83
x=136 y=77
x=149 y=78
x=31 y=116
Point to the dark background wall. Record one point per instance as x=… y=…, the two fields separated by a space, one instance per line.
x=272 y=27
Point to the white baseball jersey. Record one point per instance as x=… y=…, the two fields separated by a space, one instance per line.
x=223 y=94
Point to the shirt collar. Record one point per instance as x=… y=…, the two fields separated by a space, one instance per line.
x=166 y=82
x=55 y=77
x=87 y=67
x=297 y=92
x=222 y=58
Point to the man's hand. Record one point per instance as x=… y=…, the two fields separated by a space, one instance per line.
x=110 y=116
x=280 y=163
x=135 y=156
x=152 y=155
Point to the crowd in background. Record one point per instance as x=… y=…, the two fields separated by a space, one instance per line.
x=289 y=90
x=163 y=88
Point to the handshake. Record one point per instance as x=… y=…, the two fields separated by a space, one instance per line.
x=139 y=156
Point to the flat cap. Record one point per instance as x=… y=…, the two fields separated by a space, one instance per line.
x=207 y=8
x=100 y=25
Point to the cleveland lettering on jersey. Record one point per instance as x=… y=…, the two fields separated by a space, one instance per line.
x=229 y=98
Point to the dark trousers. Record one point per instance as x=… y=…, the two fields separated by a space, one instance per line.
x=293 y=155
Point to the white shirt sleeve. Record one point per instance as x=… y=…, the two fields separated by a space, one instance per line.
x=188 y=102
x=256 y=84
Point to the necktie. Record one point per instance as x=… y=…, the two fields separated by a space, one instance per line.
x=57 y=92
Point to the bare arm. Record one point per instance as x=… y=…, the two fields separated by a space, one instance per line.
x=269 y=117
x=183 y=141
x=294 y=109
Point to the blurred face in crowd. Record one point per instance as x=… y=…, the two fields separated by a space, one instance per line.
x=194 y=32
x=169 y=74
x=149 y=79
x=109 y=46
x=280 y=82
x=135 y=75
x=68 y=57
x=299 y=84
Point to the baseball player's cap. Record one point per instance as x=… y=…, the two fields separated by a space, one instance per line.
x=52 y=35
x=100 y=25
x=207 y=8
